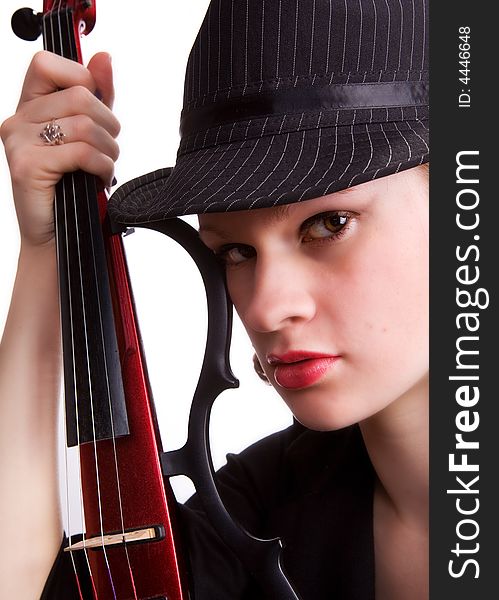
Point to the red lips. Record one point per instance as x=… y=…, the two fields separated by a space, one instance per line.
x=300 y=368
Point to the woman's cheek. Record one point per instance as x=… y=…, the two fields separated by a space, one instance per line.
x=386 y=300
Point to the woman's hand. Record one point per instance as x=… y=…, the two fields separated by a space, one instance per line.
x=59 y=89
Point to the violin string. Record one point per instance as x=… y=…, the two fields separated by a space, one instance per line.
x=89 y=375
x=84 y=327
x=50 y=44
x=106 y=373
x=113 y=437
x=66 y=472
x=78 y=437
x=91 y=397
x=64 y=204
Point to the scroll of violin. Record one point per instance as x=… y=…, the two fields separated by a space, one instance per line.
x=128 y=546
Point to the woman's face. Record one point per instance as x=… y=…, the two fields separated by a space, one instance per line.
x=334 y=295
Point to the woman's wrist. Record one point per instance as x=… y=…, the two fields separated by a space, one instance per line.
x=34 y=309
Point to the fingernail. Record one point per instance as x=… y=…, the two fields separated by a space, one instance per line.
x=112 y=184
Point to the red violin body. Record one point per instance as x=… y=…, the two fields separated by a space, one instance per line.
x=143 y=497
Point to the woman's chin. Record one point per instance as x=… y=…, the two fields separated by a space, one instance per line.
x=322 y=419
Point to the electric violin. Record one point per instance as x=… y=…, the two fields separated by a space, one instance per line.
x=131 y=546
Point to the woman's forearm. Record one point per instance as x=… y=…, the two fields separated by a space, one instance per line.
x=30 y=369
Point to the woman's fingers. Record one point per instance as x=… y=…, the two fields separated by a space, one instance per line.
x=66 y=103
x=82 y=128
x=56 y=87
x=49 y=72
x=78 y=128
x=42 y=167
x=81 y=155
x=84 y=147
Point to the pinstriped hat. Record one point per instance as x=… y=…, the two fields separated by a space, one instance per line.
x=286 y=100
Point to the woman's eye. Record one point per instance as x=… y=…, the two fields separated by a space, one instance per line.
x=326 y=225
x=234 y=254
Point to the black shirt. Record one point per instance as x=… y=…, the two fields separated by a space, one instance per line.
x=312 y=489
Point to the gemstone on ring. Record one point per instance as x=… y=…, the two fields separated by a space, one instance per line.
x=52 y=134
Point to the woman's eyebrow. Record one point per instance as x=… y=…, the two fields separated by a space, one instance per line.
x=222 y=234
x=275 y=215
x=353 y=192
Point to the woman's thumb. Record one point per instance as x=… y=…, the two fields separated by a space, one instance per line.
x=101 y=69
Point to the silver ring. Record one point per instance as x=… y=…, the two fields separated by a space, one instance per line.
x=52 y=134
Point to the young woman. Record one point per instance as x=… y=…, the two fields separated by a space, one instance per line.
x=303 y=150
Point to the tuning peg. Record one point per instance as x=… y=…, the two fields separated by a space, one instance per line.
x=27 y=24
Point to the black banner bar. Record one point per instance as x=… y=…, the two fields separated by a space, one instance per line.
x=464 y=418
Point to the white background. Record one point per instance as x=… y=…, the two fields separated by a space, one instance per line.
x=149 y=43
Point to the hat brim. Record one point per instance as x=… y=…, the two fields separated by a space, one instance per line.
x=272 y=170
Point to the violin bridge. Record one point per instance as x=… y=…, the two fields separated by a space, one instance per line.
x=135 y=536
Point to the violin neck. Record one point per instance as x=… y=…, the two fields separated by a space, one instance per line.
x=93 y=386
x=60 y=34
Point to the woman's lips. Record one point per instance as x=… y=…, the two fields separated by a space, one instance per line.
x=300 y=369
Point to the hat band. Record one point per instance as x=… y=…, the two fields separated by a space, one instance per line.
x=294 y=100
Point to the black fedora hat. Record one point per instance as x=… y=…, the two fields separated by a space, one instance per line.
x=290 y=100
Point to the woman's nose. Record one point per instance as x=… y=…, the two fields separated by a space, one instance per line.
x=280 y=296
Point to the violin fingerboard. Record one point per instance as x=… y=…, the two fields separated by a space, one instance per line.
x=93 y=386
